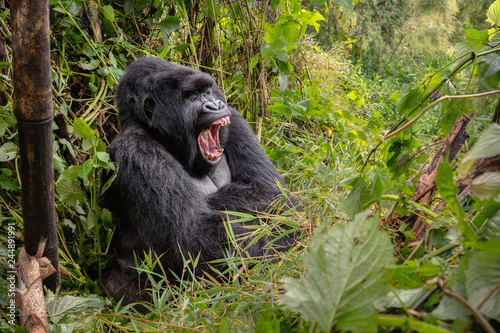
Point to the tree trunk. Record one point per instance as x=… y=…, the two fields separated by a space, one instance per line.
x=33 y=109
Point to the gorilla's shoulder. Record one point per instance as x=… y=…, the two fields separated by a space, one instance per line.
x=134 y=143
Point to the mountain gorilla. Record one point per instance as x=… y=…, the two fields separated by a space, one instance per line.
x=183 y=157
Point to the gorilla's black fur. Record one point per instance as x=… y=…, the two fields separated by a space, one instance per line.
x=173 y=179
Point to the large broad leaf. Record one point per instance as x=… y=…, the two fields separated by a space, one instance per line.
x=8 y=151
x=109 y=13
x=170 y=24
x=82 y=129
x=486 y=146
x=493 y=13
x=346 y=272
x=61 y=306
x=486 y=186
x=353 y=202
x=482 y=277
x=410 y=99
x=286 y=29
x=493 y=61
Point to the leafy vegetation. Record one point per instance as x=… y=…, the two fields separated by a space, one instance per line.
x=352 y=101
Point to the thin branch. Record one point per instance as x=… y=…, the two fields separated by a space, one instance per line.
x=472 y=57
x=425 y=297
x=475 y=312
x=489 y=295
x=424 y=110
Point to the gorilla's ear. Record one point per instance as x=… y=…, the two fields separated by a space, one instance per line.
x=149 y=107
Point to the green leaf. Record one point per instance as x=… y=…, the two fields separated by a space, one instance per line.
x=108 y=183
x=281 y=109
x=493 y=13
x=285 y=67
x=429 y=269
x=407 y=276
x=410 y=100
x=491 y=246
x=310 y=18
x=377 y=188
x=211 y=9
x=8 y=151
x=181 y=48
x=85 y=170
x=170 y=24
x=254 y=61
x=482 y=276
x=346 y=272
x=283 y=82
x=68 y=188
x=347 y=4
x=109 y=13
x=448 y=308
x=451 y=111
x=486 y=146
x=486 y=186
x=407 y=297
x=476 y=35
x=493 y=62
x=448 y=191
x=267 y=323
x=104 y=161
x=5 y=182
x=88 y=66
x=354 y=201
x=468 y=46
x=286 y=29
x=60 y=306
x=82 y=129
x=128 y=7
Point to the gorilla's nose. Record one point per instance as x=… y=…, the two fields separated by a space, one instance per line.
x=213 y=106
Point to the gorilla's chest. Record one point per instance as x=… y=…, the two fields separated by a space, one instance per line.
x=219 y=177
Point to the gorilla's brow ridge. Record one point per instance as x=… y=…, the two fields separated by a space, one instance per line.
x=198 y=82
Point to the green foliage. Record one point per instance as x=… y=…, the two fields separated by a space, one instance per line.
x=322 y=120
x=346 y=273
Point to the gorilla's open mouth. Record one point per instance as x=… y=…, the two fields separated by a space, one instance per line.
x=208 y=140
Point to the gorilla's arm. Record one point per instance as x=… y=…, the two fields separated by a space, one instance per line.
x=247 y=160
x=253 y=175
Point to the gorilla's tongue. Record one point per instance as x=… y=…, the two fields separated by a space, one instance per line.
x=208 y=140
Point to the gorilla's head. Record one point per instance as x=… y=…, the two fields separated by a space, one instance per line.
x=181 y=108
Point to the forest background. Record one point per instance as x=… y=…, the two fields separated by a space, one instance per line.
x=382 y=115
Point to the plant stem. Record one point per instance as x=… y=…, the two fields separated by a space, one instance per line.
x=473 y=56
x=439 y=251
x=409 y=323
x=475 y=312
x=424 y=110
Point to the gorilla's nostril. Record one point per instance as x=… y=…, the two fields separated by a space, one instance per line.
x=213 y=106
x=221 y=105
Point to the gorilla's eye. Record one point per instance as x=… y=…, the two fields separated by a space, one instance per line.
x=149 y=107
x=193 y=97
